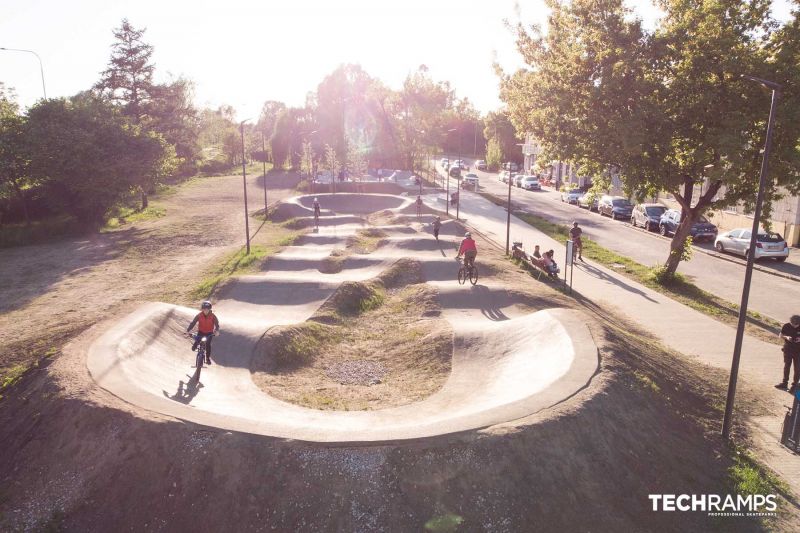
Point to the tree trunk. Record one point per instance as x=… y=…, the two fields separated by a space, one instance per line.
x=678 y=244
x=22 y=201
x=144 y=199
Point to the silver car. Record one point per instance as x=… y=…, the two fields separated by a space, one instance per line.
x=518 y=180
x=737 y=241
x=571 y=197
x=530 y=183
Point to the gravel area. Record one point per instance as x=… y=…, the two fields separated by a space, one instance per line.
x=357 y=372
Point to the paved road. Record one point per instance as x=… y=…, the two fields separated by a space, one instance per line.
x=770 y=295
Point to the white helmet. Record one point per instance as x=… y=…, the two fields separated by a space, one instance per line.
x=316 y=199
x=468 y=235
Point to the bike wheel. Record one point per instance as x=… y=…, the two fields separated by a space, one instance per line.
x=462 y=275
x=473 y=275
x=201 y=354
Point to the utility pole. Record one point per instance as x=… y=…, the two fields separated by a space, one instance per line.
x=264 y=159
x=244 y=184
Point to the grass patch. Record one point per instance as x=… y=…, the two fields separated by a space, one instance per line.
x=12 y=375
x=366 y=241
x=38 y=232
x=127 y=215
x=676 y=287
x=748 y=476
x=240 y=262
x=444 y=523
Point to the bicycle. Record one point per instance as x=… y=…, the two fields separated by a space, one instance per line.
x=467 y=271
x=201 y=354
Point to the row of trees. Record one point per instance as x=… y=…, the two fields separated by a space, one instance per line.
x=666 y=109
x=85 y=154
x=367 y=124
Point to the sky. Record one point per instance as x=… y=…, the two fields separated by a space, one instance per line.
x=243 y=53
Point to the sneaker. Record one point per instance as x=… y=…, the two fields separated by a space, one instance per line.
x=781 y=386
x=792 y=389
x=208 y=361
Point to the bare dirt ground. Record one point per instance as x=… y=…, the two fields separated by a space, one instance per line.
x=76 y=458
x=395 y=354
x=51 y=292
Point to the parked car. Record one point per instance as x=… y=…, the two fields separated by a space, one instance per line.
x=737 y=241
x=506 y=175
x=531 y=183
x=571 y=196
x=444 y=162
x=454 y=171
x=511 y=166
x=588 y=201
x=647 y=216
x=702 y=229
x=615 y=207
x=518 y=180
x=480 y=164
x=470 y=182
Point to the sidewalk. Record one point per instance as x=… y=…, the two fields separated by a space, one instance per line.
x=679 y=327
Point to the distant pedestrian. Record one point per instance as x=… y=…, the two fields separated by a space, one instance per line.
x=437 y=225
x=536 y=253
x=790 y=333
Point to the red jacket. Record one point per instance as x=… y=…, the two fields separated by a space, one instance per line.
x=205 y=324
x=466 y=246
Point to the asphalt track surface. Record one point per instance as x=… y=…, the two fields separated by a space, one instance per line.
x=506 y=365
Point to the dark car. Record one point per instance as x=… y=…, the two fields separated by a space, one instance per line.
x=615 y=207
x=455 y=171
x=647 y=216
x=701 y=230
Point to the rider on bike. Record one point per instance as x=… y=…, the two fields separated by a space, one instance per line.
x=575 y=234
x=316 y=207
x=207 y=326
x=468 y=249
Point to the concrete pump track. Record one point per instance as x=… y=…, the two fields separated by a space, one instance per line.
x=506 y=364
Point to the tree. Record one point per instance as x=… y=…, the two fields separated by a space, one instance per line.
x=332 y=163
x=89 y=157
x=307 y=160
x=494 y=154
x=269 y=116
x=172 y=113
x=14 y=158
x=658 y=108
x=128 y=80
x=500 y=129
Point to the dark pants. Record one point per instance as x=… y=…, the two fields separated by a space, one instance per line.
x=208 y=337
x=436 y=233
x=788 y=359
x=469 y=257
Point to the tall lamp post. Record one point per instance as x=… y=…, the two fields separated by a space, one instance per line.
x=41 y=68
x=447 y=196
x=264 y=160
x=508 y=215
x=748 y=273
x=244 y=184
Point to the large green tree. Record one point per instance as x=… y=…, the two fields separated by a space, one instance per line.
x=666 y=110
x=14 y=156
x=89 y=156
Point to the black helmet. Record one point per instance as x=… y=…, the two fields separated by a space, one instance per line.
x=205 y=305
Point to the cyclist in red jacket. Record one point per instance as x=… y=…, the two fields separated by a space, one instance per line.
x=207 y=326
x=468 y=249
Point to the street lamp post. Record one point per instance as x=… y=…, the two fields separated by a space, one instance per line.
x=447 y=197
x=244 y=184
x=264 y=160
x=748 y=273
x=41 y=68
x=508 y=215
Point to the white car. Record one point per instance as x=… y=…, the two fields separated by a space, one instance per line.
x=444 y=162
x=571 y=196
x=737 y=241
x=530 y=183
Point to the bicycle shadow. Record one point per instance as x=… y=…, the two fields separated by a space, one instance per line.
x=186 y=391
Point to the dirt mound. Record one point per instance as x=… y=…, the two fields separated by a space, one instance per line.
x=366 y=240
x=374 y=344
x=285 y=211
x=369 y=187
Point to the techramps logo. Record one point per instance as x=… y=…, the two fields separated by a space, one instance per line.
x=730 y=505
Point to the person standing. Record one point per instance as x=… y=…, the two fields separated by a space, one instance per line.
x=790 y=333
x=577 y=245
x=437 y=225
